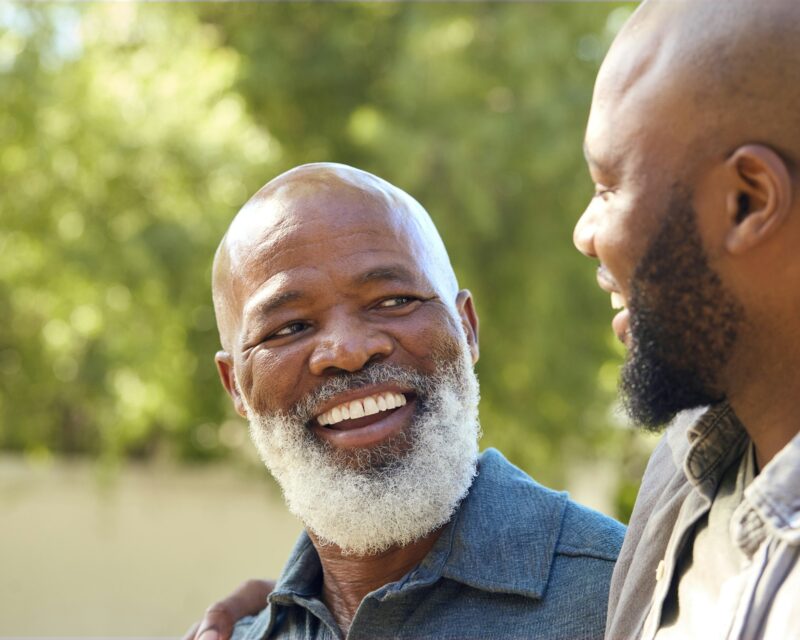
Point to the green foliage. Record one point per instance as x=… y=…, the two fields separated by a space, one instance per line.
x=131 y=135
x=118 y=169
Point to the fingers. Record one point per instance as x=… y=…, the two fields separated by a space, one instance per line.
x=217 y=624
x=248 y=599
x=190 y=634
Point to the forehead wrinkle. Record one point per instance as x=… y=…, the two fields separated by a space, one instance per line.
x=270 y=301
x=255 y=236
x=258 y=239
x=336 y=236
x=396 y=273
x=344 y=247
x=396 y=204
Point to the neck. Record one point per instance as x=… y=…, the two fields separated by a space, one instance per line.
x=767 y=403
x=347 y=579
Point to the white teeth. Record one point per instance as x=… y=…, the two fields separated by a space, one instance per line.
x=617 y=301
x=370 y=406
x=356 y=409
x=363 y=407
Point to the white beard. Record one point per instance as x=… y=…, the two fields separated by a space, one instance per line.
x=391 y=497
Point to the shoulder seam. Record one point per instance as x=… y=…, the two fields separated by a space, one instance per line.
x=582 y=552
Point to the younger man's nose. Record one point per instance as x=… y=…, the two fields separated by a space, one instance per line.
x=583 y=234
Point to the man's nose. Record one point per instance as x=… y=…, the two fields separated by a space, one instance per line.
x=348 y=345
x=583 y=234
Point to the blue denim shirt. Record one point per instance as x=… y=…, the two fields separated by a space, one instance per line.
x=516 y=561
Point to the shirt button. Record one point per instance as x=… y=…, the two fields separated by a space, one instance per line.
x=660 y=570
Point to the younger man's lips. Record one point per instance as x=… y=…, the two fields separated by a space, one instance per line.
x=367 y=431
x=621 y=325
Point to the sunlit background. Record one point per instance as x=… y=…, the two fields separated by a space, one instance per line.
x=130 y=134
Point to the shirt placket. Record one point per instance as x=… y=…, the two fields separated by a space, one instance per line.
x=702 y=467
x=693 y=508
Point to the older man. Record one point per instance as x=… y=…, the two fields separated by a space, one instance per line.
x=694 y=143
x=349 y=347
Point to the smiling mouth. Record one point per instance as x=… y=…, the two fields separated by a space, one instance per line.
x=607 y=283
x=621 y=321
x=352 y=414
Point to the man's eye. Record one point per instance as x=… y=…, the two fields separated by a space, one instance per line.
x=602 y=192
x=289 y=330
x=396 y=301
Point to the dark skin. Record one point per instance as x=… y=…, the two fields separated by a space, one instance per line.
x=218 y=620
x=664 y=114
x=348 y=579
x=326 y=270
x=702 y=93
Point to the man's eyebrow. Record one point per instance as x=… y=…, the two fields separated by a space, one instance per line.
x=272 y=303
x=389 y=273
x=589 y=157
x=594 y=162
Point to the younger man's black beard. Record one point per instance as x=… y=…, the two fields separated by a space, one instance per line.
x=684 y=324
x=653 y=390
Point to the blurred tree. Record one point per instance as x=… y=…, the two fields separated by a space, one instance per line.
x=131 y=134
x=479 y=112
x=118 y=169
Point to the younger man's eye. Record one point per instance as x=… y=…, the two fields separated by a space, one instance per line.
x=602 y=192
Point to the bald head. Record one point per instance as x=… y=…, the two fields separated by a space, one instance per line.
x=693 y=144
x=309 y=204
x=715 y=74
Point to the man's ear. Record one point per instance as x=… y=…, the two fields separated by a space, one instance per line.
x=228 y=377
x=469 y=320
x=760 y=199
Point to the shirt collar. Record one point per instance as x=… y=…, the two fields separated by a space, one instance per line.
x=300 y=583
x=716 y=439
x=302 y=573
x=504 y=535
x=502 y=539
x=708 y=440
x=775 y=494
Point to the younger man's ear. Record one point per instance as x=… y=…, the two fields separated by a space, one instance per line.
x=228 y=378
x=761 y=197
x=469 y=320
